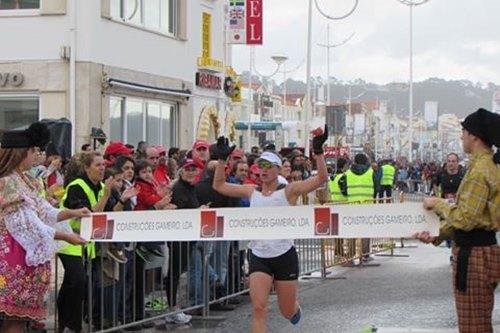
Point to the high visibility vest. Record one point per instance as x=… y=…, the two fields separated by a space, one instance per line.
x=360 y=188
x=335 y=193
x=77 y=250
x=42 y=192
x=388 y=172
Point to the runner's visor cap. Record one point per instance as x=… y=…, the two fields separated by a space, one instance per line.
x=270 y=157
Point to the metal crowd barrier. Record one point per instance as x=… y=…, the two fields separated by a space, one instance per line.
x=119 y=296
x=414 y=186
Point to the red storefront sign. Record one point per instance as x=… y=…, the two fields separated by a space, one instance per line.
x=208 y=81
x=254 y=22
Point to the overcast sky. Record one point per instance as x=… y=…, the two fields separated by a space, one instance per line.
x=453 y=39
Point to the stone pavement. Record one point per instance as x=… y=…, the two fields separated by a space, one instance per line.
x=403 y=294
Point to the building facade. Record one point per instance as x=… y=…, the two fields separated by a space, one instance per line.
x=149 y=70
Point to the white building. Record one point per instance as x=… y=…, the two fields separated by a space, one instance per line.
x=128 y=67
x=449 y=134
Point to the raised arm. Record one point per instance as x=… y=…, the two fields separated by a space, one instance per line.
x=228 y=189
x=296 y=189
x=222 y=151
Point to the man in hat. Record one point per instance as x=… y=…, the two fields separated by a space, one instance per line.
x=115 y=149
x=201 y=155
x=161 y=172
x=472 y=222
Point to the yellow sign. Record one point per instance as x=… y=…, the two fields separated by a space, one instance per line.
x=206 y=25
x=206 y=61
x=210 y=64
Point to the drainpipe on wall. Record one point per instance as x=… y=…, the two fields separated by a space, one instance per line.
x=72 y=73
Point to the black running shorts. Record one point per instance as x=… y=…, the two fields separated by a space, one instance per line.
x=282 y=268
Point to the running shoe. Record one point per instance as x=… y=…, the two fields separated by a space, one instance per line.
x=296 y=317
x=117 y=255
x=153 y=249
x=144 y=255
x=156 y=304
x=178 y=318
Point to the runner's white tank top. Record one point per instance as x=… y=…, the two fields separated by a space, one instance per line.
x=269 y=248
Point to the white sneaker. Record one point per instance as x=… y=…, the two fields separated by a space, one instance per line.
x=178 y=318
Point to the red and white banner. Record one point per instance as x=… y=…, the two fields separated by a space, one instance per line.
x=298 y=222
x=245 y=22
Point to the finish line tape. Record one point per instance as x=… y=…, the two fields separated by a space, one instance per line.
x=296 y=222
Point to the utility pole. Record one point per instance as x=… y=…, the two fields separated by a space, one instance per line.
x=329 y=46
x=411 y=4
x=250 y=99
x=307 y=102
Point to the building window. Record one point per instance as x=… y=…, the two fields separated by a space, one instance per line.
x=156 y=15
x=18 y=111
x=133 y=120
x=19 y=4
x=134 y=111
x=115 y=118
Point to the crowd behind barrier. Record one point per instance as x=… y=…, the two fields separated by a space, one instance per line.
x=110 y=308
x=132 y=286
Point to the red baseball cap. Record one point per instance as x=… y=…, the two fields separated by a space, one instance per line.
x=117 y=148
x=188 y=162
x=200 y=143
x=160 y=149
x=255 y=169
x=238 y=153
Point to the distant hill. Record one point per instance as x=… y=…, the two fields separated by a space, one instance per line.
x=454 y=96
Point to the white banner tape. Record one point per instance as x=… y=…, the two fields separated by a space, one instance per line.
x=298 y=222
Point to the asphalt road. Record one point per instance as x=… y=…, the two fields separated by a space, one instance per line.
x=403 y=294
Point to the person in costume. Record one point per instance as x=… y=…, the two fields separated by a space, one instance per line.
x=27 y=231
x=471 y=222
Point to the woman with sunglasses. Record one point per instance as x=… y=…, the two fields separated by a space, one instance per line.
x=272 y=261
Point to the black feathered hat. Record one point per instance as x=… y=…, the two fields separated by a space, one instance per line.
x=37 y=135
x=485 y=125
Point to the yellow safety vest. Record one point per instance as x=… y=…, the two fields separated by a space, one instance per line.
x=42 y=192
x=335 y=193
x=360 y=188
x=77 y=250
x=388 y=172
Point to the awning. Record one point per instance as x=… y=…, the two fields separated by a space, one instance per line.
x=186 y=93
x=259 y=125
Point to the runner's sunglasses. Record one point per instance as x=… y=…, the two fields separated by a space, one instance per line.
x=265 y=165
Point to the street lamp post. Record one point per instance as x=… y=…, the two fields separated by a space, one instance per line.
x=285 y=72
x=411 y=4
x=279 y=60
x=329 y=46
x=307 y=102
x=250 y=99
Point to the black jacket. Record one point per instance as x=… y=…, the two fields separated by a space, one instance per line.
x=76 y=197
x=183 y=195
x=206 y=194
x=114 y=198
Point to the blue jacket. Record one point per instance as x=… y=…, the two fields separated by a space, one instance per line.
x=243 y=202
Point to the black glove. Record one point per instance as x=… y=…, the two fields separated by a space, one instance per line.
x=319 y=141
x=222 y=149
